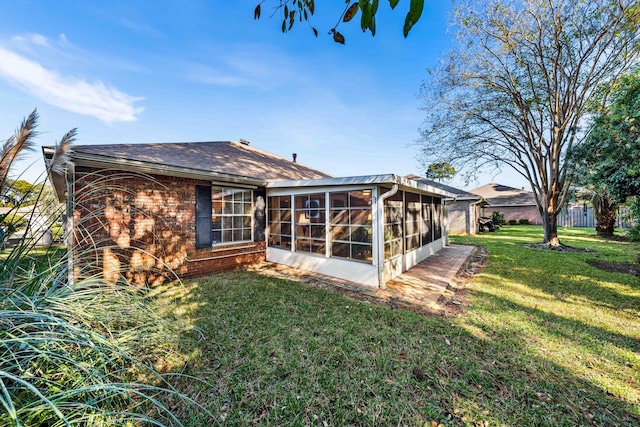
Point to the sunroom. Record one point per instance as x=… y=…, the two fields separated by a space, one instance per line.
x=366 y=229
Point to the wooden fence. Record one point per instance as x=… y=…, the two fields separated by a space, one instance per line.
x=582 y=216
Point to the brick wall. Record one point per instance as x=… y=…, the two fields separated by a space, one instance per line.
x=142 y=228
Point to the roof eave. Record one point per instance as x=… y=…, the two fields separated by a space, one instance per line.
x=57 y=180
x=510 y=205
x=465 y=198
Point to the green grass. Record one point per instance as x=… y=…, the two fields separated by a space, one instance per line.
x=545 y=340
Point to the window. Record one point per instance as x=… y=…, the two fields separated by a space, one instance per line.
x=223 y=215
x=437 y=218
x=231 y=215
x=310 y=220
x=350 y=221
x=426 y=230
x=393 y=216
x=413 y=218
x=280 y=222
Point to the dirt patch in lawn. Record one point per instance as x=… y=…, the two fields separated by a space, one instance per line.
x=454 y=301
x=560 y=248
x=613 y=267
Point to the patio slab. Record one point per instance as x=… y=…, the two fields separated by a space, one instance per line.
x=421 y=286
x=424 y=283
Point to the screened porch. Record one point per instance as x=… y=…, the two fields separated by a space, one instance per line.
x=362 y=229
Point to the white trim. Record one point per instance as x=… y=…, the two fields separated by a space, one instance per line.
x=286 y=191
x=488 y=206
x=379 y=236
x=221 y=215
x=360 y=180
x=327 y=225
x=358 y=272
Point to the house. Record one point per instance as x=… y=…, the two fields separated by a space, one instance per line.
x=463 y=210
x=29 y=221
x=513 y=203
x=148 y=211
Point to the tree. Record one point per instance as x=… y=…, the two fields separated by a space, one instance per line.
x=516 y=89
x=440 y=171
x=19 y=192
x=609 y=160
x=303 y=10
x=611 y=154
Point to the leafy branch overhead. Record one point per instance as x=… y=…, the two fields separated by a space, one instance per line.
x=292 y=11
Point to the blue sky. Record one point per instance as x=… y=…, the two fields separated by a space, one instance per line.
x=171 y=71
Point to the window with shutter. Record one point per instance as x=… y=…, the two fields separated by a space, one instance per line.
x=203 y=216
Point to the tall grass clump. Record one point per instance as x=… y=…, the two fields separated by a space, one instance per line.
x=79 y=352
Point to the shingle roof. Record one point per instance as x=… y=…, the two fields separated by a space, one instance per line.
x=227 y=157
x=502 y=195
x=436 y=184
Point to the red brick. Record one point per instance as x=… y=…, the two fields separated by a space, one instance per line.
x=138 y=218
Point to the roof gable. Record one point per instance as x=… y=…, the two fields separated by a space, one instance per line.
x=502 y=195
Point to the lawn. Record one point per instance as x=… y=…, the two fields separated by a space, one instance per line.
x=545 y=340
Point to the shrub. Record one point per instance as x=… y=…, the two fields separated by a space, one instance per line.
x=634 y=217
x=75 y=352
x=12 y=223
x=512 y=222
x=71 y=354
x=497 y=218
x=523 y=221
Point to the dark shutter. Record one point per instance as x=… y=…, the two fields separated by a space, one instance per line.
x=203 y=216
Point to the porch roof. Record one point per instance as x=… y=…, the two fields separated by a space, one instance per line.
x=403 y=182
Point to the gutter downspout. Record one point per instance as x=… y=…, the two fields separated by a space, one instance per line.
x=380 y=245
x=70 y=225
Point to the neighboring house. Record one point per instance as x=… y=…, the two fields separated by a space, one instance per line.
x=463 y=210
x=147 y=211
x=513 y=203
x=35 y=225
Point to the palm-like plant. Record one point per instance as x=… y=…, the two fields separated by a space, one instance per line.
x=73 y=353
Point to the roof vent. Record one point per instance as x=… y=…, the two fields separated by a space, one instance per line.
x=244 y=141
x=295 y=156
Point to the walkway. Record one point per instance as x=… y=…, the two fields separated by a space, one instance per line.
x=426 y=282
x=421 y=286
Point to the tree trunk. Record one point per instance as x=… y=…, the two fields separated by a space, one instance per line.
x=550 y=226
x=605 y=211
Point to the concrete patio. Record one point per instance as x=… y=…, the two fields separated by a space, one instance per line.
x=420 y=286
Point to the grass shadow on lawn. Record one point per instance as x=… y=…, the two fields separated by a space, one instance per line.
x=277 y=352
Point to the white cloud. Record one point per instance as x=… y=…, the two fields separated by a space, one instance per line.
x=211 y=76
x=32 y=38
x=73 y=94
x=247 y=65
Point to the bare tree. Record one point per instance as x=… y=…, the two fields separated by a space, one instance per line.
x=516 y=89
